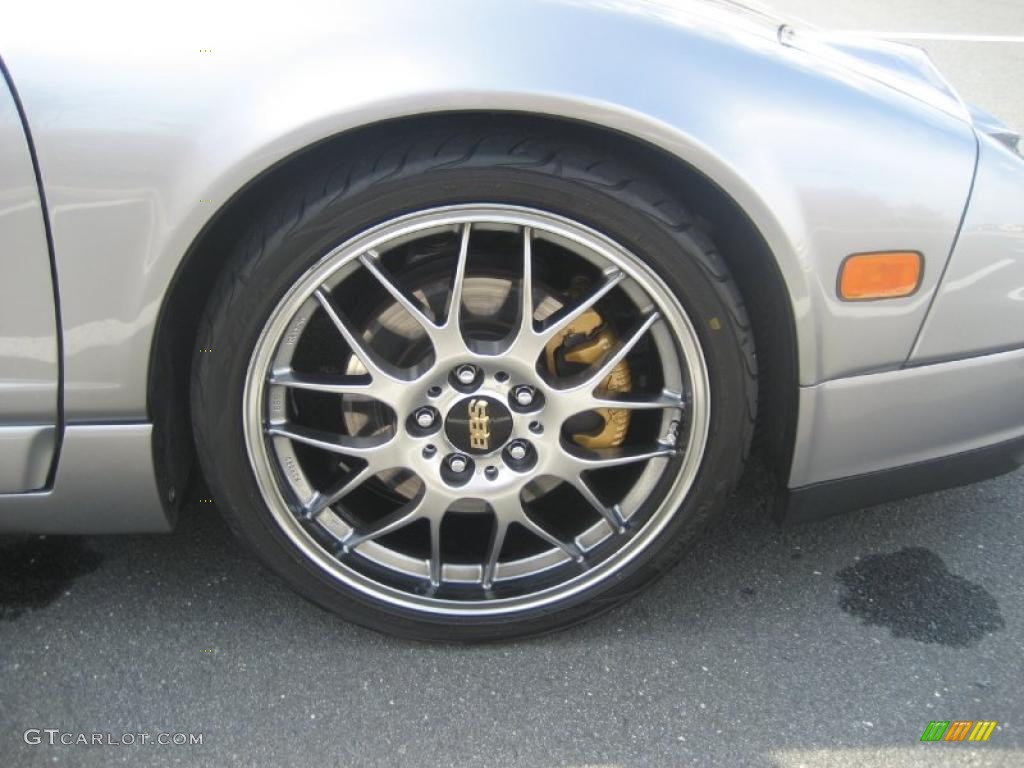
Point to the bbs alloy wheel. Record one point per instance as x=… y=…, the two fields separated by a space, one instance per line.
x=471 y=420
x=474 y=410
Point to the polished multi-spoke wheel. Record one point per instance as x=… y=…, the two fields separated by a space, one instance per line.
x=475 y=418
x=463 y=363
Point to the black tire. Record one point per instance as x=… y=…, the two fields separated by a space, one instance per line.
x=442 y=166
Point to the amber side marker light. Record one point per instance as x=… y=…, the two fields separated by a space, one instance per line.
x=885 y=275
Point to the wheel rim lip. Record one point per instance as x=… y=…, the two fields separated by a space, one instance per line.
x=683 y=335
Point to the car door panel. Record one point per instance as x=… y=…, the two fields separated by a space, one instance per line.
x=29 y=373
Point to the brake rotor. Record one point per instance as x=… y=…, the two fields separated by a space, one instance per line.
x=584 y=342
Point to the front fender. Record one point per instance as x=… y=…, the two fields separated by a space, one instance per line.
x=144 y=131
x=979 y=307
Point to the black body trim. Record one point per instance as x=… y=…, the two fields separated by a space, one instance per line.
x=822 y=500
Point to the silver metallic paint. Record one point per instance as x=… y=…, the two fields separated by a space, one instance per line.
x=28 y=327
x=27 y=453
x=980 y=304
x=904 y=67
x=29 y=371
x=866 y=423
x=28 y=340
x=144 y=136
x=104 y=484
x=144 y=130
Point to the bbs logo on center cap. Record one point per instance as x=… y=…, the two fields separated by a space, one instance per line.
x=479 y=424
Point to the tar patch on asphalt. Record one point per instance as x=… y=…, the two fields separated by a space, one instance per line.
x=913 y=594
x=35 y=572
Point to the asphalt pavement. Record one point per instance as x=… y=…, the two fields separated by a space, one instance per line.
x=826 y=644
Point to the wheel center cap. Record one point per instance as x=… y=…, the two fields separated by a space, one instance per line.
x=478 y=425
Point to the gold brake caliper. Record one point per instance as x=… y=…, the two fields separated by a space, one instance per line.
x=599 y=340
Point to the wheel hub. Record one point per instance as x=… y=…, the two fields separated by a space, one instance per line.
x=478 y=424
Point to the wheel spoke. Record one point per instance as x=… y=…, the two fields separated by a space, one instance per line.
x=346 y=445
x=508 y=510
x=446 y=337
x=338 y=491
x=380 y=370
x=588 y=381
x=371 y=261
x=453 y=320
x=553 y=326
x=494 y=551
x=664 y=400
x=405 y=515
x=526 y=289
x=542 y=533
x=338 y=385
x=602 y=458
x=613 y=514
x=435 y=551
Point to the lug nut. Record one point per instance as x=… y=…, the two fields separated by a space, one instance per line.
x=466 y=374
x=458 y=463
x=520 y=456
x=518 y=450
x=425 y=417
x=523 y=395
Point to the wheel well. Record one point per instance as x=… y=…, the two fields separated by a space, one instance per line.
x=744 y=249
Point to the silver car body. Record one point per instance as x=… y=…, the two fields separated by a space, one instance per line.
x=143 y=128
